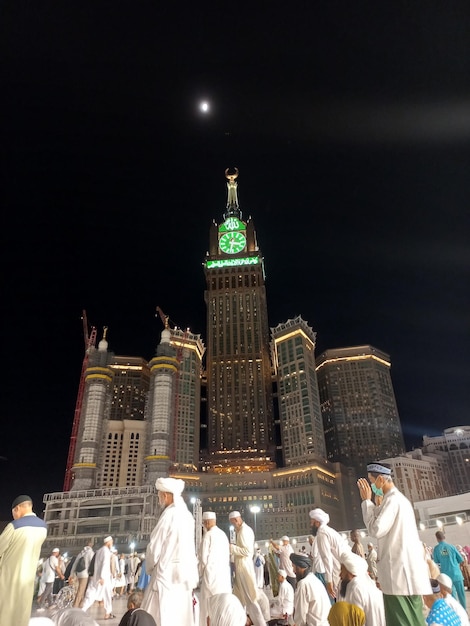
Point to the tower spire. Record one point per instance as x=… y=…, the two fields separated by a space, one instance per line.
x=233 y=209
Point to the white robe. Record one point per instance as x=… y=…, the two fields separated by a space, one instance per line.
x=311 y=602
x=363 y=592
x=284 y=601
x=214 y=568
x=330 y=546
x=96 y=590
x=401 y=569
x=20 y=545
x=244 y=586
x=259 y=570
x=171 y=561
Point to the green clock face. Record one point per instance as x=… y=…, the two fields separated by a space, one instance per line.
x=231 y=243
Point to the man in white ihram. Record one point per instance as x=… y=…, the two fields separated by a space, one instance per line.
x=358 y=588
x=244 y=586
x=331 y=546
x=100 y=586
x=171 y=559
x=214 y=564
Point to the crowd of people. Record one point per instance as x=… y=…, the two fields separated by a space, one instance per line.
x=395 y=581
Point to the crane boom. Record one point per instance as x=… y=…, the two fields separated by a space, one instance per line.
x=90 y=341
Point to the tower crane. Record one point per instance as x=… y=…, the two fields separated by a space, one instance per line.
x=90 y=342
x=179 y=357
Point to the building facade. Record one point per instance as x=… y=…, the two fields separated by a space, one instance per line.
x=454 y=443
x=238 y=366
x=293 y=354
x=360 y=415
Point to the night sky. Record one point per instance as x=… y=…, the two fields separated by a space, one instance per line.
x=350 y=126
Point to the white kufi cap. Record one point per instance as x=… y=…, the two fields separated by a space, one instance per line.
x=445 y=580
x=209 y=515
x=234 y=514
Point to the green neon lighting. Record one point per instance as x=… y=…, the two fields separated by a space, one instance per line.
x=231 y=224
x=250 y=260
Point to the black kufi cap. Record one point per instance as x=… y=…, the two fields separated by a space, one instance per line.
x=301 y=560
x=20 y=500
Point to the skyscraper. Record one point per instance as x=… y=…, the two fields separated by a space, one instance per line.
x=360 y=415
x=293 y=347
x=239 y=393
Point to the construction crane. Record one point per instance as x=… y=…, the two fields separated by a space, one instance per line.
x=176 y=395
x=90 y=342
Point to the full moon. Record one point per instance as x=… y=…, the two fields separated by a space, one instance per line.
x=204 y=106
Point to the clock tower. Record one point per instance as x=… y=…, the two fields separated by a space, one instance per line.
x=239 y=391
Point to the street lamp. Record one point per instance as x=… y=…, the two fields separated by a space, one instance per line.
x=255 y=510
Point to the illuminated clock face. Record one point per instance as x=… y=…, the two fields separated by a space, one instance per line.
x=231 y=243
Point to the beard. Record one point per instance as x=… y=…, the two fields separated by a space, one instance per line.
x=302 y=574
x=342 y=589
x=314 y=530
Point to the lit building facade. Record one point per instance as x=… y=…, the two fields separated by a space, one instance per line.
x=360 y=415
x=454 y=443
x=419 y=476
x=293 y=353
x=238 y=366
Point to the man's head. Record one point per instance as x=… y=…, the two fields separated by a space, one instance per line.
x=351 y=565
x=22 y=505
x=281 y=575
x=301 y=565
x=380 y=477
x=108 y=541
x=55 y=552
x=311 y=539
x=440 y=536
x=429 y=599
x=235 y=519
x=168 y=489
x=285 y=540
x=209 y=519
x=355 y=536
x=318 y=517
x=445 y=584
x=370 y=546
x=135 y=600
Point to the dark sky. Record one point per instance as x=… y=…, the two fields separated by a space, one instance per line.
x=350 y=125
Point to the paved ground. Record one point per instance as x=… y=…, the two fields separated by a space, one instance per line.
x=97 y=612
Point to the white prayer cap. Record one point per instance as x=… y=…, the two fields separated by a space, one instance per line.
x=319 y=515
x=445 y=580
x=209 y=515
x=108 y=538
x=378 y=468
x=170 y=485
x=234 y=514
x=56 y=550
x=370 y=544
x=285 y=538
x=355 y=564
x=282 y=572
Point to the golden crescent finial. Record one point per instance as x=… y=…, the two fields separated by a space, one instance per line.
x=231 y=177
